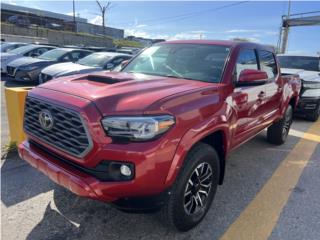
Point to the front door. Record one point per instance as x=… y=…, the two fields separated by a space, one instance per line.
x=249 y=101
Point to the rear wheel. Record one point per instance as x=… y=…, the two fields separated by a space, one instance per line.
x=278 y=132
x=194 y=189
x=315 y=115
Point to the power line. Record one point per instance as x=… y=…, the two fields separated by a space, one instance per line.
x=185 y=15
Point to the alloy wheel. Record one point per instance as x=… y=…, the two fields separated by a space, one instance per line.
x=198 y=189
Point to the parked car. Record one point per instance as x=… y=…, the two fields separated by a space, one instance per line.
x=31 y=50
x=308 y=68
x=8 y=46
x=27 y=69
x=92 y=63
x=21 y=21
x=156 y=135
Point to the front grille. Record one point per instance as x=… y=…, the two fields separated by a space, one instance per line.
x=44 y=77
x=68 y=132
x=11 y=71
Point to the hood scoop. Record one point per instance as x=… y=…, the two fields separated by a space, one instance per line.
x=103 y=79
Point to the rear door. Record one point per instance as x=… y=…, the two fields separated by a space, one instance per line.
x=273 y=86
x=248 y=101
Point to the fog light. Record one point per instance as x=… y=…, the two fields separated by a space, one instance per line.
x=125 y=170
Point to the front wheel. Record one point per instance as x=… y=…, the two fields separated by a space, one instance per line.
x=194 y=189
x=278 y=132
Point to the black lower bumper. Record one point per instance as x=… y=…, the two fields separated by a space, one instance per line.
x=308 y=105
x=146 y=204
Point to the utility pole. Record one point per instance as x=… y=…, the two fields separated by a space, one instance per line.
x=74 y=16
x=285 y=30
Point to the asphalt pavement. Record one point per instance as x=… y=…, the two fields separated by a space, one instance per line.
x=33 y=207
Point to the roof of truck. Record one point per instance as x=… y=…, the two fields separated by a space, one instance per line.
x=227 y=43
x=298 y=55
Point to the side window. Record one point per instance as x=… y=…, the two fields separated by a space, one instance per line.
x=84 y=54
x=75 y=56
x=246 y=60
x=67 y=58
x=268 y=63
x=117 y=61
x=42 y=50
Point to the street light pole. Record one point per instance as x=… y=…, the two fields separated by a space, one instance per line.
x=74 y=16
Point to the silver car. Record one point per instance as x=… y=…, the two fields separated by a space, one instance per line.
x=94 y=62
x=32 y=50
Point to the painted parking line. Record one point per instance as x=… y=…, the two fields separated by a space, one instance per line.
x=261 y=215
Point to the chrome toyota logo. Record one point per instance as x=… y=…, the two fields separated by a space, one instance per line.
x=45 y=120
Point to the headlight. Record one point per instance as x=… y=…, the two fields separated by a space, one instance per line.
x=137 y=128
x=311 y=84
x=311 y=93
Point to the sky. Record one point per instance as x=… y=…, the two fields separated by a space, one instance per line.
x=258 y=21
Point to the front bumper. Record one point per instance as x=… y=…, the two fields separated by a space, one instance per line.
x=122 y=195
x=77 y=182
x=307 y=105
x=27 y=76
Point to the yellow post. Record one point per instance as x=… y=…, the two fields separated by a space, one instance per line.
x=15 y=100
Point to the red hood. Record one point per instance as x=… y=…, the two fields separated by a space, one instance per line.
x=117 y=93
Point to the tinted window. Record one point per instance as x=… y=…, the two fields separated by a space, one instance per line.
x=75 y=55
x=246 y=60
x=190 y=61
x=300 y=62
x=268 y=63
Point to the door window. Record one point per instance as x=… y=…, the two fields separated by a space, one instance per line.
x=246 y=60
x=268 y=63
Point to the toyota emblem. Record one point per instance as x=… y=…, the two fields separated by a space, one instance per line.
x=45 y=120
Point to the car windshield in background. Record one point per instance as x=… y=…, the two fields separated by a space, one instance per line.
x=7 y=47
x=297 y=62
x=95 y=59
x=190 y=61
x=22 y=50
x=53 y=55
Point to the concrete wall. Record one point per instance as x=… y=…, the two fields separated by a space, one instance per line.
x=24 y=39
x=57 y=37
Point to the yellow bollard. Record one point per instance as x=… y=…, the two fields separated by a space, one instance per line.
x=15 y=100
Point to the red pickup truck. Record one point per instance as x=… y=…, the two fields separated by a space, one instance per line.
x=156 y=135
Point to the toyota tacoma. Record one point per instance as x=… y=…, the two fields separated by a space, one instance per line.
x=156 y=135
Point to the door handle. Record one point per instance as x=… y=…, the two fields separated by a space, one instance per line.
x=261 y=95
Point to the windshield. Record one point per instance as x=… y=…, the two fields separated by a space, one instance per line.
x=297 y=62
x=53 y=55
x=190 y=61
x=7 y=47
x=22 y=50
x=95 y=59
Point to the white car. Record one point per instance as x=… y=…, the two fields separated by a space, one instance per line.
x=308 y=69
x=32 y=50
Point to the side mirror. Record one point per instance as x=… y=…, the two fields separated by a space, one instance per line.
x=251 y=77
x=109 y=66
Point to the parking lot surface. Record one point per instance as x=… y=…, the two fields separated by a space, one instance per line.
x=275 y=188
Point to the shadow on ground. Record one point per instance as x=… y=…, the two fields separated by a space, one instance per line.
x=19 y=181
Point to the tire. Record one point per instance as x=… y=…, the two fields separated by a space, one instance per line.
x=277 y=133
x=183 y=209
x=315 y=115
